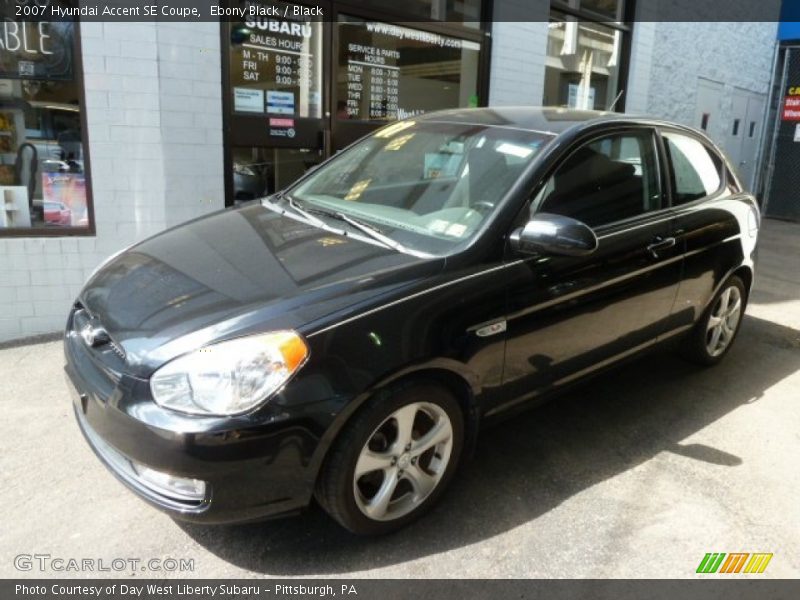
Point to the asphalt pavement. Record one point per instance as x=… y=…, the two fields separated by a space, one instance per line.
x=638 y=474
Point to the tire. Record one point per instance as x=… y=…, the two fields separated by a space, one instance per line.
x=700 y=347
x=396 y=485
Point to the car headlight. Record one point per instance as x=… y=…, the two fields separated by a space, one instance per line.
x=229 y=378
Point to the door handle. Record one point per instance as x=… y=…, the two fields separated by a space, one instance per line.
x=660 y=244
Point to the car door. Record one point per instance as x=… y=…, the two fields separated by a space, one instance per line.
x=570 y=315
x=707 y=227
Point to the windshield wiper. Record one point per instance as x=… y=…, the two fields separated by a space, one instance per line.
x=316 y=221
x=371 y=230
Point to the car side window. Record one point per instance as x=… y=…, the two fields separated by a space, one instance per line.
x=695 y=169
x=607 y=180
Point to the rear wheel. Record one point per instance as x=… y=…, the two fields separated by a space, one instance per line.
x=394 y=460
x=714 y=334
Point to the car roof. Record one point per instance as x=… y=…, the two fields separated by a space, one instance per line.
x=546 y=119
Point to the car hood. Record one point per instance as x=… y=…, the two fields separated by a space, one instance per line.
x=236 y=272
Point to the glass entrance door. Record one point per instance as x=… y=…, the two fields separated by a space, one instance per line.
x=297 y=89
x=274 y=98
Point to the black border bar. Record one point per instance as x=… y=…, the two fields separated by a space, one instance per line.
x=711 y=587
x=189 y=11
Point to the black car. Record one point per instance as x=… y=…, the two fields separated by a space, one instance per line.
x=345 y=339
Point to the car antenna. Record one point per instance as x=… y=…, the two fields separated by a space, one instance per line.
x=614 y=103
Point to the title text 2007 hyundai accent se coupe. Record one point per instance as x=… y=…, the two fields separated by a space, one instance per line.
x=344 y=340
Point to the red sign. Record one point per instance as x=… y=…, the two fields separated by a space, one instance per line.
x=273 y=122
x=791 y=108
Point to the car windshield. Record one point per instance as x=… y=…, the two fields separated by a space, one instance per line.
x=426 y=185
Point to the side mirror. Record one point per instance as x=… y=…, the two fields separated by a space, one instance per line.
x=554 y=234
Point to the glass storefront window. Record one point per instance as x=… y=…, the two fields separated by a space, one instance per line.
x=387 y=72
x=583 y=64
x=42 y=159
x=276 y=65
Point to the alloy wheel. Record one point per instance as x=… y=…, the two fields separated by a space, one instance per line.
x=403 y=461
x=723 y=321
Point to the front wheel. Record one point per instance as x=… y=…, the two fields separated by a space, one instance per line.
x=394 y=460
x=713 y=335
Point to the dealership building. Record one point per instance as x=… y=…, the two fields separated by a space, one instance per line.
x=113 y=131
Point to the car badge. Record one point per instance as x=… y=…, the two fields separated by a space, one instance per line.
x=94 y=336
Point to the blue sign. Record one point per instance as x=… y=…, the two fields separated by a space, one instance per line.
x=280 y=103
x=789 y=27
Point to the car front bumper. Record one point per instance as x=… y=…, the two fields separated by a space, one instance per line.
x=252 y=468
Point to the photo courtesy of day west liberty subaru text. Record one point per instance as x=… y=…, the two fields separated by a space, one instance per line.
x=146 y=10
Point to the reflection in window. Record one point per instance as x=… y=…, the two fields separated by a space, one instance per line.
x=42 y=174
x=427 y=185
x=258 y=172
x=696 y=170
x=608 y=180
x=388 y=72
x=583 y=63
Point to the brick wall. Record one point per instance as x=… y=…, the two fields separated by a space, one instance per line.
x=154 y=115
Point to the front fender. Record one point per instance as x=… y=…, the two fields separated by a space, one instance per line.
x=449 y=372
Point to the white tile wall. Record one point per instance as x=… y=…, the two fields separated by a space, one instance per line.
x=518 y=59
x=519 y=49
x=639 y=73
x=154 y=115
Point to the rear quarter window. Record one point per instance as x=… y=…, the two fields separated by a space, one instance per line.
x=696 y=170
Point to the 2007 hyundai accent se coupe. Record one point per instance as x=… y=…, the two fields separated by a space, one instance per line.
x=344 y=339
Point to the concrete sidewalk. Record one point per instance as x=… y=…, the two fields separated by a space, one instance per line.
x=637 y=475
